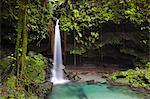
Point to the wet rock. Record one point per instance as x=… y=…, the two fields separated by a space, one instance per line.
x=77 y=78
x=73 y=76
x=84 y=73
x=105 y=75
x=42 y=89
x=48 y=69
x=90 y=82
x=102 y=81
x=62 y=66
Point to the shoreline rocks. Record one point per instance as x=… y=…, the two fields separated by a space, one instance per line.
x=138 y=89
x=89 y=77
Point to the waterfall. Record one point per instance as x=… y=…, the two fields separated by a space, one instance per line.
x=57 y=71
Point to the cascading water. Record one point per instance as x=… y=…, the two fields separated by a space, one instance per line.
x=57 y=71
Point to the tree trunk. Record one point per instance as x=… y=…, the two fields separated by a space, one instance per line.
x=24 y=43
x=52 y=42
x=51 y=35
x=18 y=42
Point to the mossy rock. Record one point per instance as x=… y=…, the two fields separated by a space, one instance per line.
x=136 y=78
x=44 y=88
x=123 y=81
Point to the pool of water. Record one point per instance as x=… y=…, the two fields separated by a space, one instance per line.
x=93 y=91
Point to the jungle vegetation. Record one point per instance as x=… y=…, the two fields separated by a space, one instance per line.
x=90 y=28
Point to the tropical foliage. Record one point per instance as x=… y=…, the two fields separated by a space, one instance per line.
x=136 y=78
x=33 y=75
x=98 y=24
x=114 y=28
x=37 y=19
x=21 y=73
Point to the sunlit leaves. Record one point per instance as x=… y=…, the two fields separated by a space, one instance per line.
x=38 y=17
x=78 y=50
x=91 y=14
x=76 y=13
x=136 y=78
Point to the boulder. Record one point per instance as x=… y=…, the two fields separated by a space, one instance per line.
x=90 y=82
x=105 y=75
x=44 y=88
x=73 y=76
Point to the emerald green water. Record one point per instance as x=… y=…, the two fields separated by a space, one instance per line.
x=94 y=91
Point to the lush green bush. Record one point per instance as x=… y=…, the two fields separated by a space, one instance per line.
x=148 y=64
x=11 y=89
x=137 y=78
x=35 y=69
x=33 y=75
x=142 y=64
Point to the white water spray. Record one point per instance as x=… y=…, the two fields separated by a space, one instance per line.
x=57 y=71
